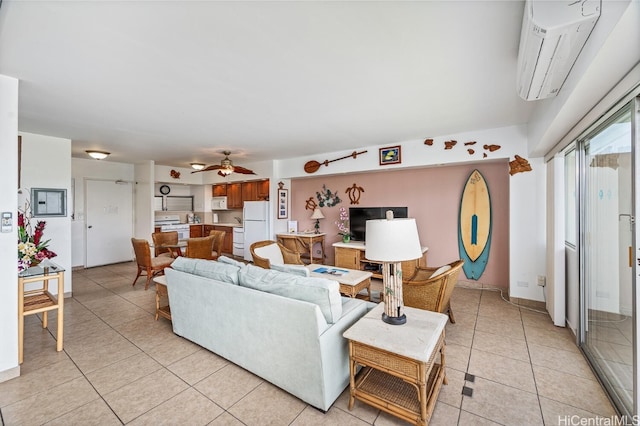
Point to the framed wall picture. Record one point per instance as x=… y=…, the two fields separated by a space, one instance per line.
x=283 y=203
x=390 y=155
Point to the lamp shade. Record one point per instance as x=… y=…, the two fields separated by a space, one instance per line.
x=317 y=214
x=392 y=240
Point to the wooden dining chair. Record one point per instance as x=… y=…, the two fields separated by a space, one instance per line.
x=151 y=266
x=201 y=247
x=160 y=238
x=217 y=242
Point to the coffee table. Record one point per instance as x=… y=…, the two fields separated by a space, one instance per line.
x=402 y=372
x=351 y=281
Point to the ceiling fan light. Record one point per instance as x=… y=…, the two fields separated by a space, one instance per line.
x=197 y=166
x=98 y=155
x=227 y=170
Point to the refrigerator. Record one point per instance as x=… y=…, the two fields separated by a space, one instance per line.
x=255 y=218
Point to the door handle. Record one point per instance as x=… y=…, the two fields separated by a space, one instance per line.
x=90 y=226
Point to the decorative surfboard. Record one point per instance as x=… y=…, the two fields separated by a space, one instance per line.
x=474 y=225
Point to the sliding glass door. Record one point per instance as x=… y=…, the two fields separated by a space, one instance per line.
x=607 y=334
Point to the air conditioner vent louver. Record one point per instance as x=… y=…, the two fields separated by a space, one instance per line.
x=553 y=34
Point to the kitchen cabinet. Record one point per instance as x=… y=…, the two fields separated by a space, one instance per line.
x=249 y=191
x=234 y=196
x=195 y=231
x=220 y=190
x=207 y=230
x=227 y=245
x=263 y=190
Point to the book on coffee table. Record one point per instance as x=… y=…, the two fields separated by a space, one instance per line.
x=331 y=271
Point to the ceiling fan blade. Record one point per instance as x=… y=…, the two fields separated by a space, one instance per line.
x=208 y=169
x=242 y=170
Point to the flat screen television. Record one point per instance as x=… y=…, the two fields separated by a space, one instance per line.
x=358 y=217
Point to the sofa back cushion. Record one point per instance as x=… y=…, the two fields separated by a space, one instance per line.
x=291 y=269
x=208 y=269
x=321 y=291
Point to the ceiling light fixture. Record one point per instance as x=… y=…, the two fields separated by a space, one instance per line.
x=197 y=166
x=98 y=155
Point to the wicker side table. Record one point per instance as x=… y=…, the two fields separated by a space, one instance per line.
x=162 y=294
x=402 y=372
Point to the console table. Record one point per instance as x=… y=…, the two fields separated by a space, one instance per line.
x=40 y=299
x=351 y=256
x=303 y=243
x=402 y=374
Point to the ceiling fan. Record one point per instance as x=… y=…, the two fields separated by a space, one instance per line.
x=226 y=167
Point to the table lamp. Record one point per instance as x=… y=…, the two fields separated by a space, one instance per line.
x=392 y=241
x=317 y=215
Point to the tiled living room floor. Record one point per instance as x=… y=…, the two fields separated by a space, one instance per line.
x=120 y=366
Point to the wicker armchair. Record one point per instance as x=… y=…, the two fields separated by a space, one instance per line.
x=150 y=265
x=217 y=243
x=201 y=247
x=266 y=252
x=431 y=288
x=160 y=238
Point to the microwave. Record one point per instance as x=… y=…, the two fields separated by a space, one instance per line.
x=219 y=203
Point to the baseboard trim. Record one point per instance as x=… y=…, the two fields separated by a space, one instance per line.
x=9 y=374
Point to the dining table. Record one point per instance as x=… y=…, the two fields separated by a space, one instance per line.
x=175 y=249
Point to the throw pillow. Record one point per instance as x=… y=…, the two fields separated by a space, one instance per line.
x=440 y=270
x=229 y=261
x=271 y=252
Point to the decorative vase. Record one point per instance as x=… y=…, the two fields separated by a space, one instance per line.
x=346 y=238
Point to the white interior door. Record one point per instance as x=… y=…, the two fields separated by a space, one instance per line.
x=109 y=220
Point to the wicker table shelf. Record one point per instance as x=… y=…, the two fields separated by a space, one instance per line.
x=162 y=294
x=40 y=300
x=402 y=372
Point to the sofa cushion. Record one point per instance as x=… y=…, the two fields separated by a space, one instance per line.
x=229 y=261
x=271 y=252
x=321 y=291
x=208 y=269
x=440 y=270
x=291 y=269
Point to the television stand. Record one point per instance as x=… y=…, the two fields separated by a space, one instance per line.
x=351 y=255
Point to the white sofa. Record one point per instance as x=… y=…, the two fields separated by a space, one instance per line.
x=283 y=327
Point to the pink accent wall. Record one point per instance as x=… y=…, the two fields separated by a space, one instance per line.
x=432 y=196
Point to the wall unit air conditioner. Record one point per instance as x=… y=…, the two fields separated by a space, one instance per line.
x=553 y=34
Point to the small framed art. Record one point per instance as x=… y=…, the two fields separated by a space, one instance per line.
x=390 y=155
x=283 y=203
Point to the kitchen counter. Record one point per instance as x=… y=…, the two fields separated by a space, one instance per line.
x=231 y=224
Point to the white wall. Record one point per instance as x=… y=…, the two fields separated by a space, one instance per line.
x=46 y=163
x=143 y=205
x=82 y=169
x=527 y=200
x=555 y=283
x=9 y=367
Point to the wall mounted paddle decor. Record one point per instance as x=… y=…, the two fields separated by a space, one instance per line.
x=313 y=166
x=310 y=204
x=474 y=225
x=326 y=198
x=469 y=143
x=354 y=193
x=471 y=151
x=519 y=165
x=428 y=142
x=175 y=174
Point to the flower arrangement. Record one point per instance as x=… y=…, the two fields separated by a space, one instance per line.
x=32 y=249
x=343 y=225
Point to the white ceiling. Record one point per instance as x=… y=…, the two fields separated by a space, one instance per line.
x=180 y=81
